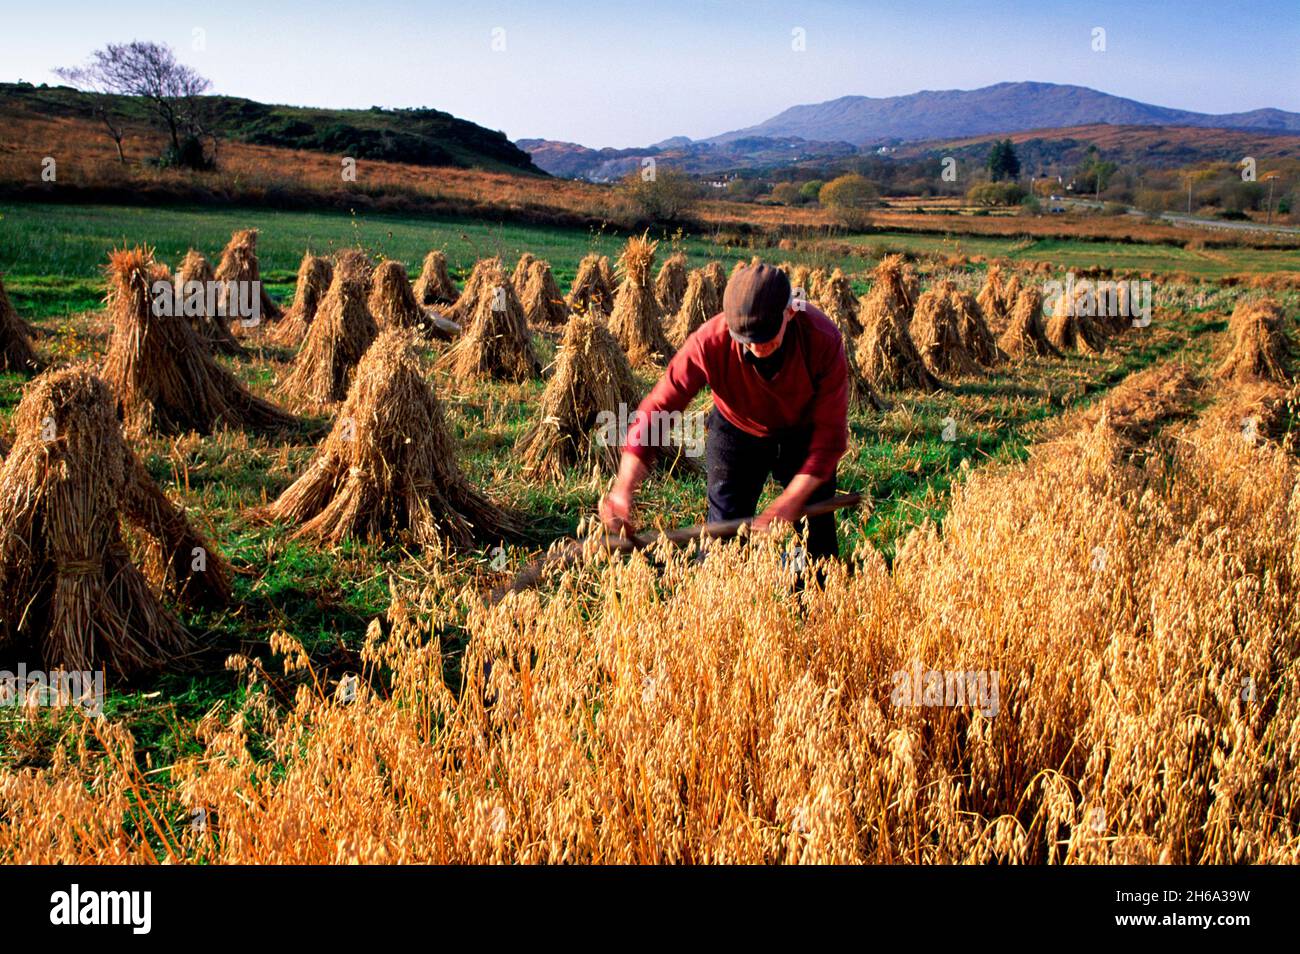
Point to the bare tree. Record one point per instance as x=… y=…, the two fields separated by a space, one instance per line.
x=150 y=71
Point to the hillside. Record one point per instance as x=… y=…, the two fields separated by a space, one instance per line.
x=1153 y=147
x=1001 y=108
x=424 y=137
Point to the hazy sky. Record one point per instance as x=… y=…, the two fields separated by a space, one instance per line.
x=618 y=73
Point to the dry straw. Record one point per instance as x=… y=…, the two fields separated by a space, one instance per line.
x=936 y=331
x=1142 y=404
x=70 y=590
x=338 y=336
x=799 y=276
x=670 y=284
x=497 y=343
x=973 y=329
x=1025 y=335
x=523 y=268
x=895 y=281
x=1260 y=350
x=435 y=286
x=699 y=304
x=239 y=264
x=817 y=278
x=388 y=470
x=212 y=329
x=886 y=355
x=718 y=278
x=836 y=299
x=635 y=320
x=466 y=305
x=996 y=299
x=542 y=300
x=16 y=351
x=592 y=291
x=592 y=375
x=393 y=303
x=1072 y=328
x=314 y=276
x=165 y=380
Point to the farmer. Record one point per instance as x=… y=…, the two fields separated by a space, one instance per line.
x=779 y=378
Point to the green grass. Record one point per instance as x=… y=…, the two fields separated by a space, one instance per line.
x=51 y=256
x=1207 y=263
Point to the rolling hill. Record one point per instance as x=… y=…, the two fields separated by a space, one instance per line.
x=422 y=137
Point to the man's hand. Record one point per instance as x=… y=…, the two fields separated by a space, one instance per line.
x=616 y=506
x=616 y=512
x=788 y=507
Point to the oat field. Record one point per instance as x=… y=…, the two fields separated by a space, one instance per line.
x=1109 y=540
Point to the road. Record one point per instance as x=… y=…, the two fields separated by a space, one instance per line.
x=1181 y=218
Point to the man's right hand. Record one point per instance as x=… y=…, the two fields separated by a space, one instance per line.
x=616 y=512
x=616 y=506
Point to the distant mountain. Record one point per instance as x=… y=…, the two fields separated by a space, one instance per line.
x=1001 y=108
x=425 y=137
x=572 y=161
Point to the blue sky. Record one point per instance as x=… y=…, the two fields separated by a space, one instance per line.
x=620 y=73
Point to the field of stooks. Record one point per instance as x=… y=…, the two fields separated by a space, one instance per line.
x=1083 y=650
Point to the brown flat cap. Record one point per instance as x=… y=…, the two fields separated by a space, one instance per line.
x=754 y=302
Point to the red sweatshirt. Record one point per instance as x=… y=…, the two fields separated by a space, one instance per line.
x=809 y=390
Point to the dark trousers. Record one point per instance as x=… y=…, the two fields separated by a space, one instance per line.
x=739 y=465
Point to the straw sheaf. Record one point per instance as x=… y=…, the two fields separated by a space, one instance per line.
x=973 y=329
x=435 y=285
x=836 y=299
x=670 y=284
x=16 y=351
x=314 y=276
x=936 y=331
x=213 y=330
x=239 y=263
x=542 y=301
x=388 y=470
x=164 y=377
x=69 y=589
x=636 y=321
x=338 y=336
x=593 y=289
x=895 y=280
x=523 y=269
x=497 y=343
x=886 y=354
x=1261 y=350
x=1025 y=335
x=592 y=375
x=393 y=303
x=699 y=304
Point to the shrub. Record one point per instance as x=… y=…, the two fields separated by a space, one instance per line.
x=850 y=197
x=666 y=196
x=787 y=193
x=995 y=193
